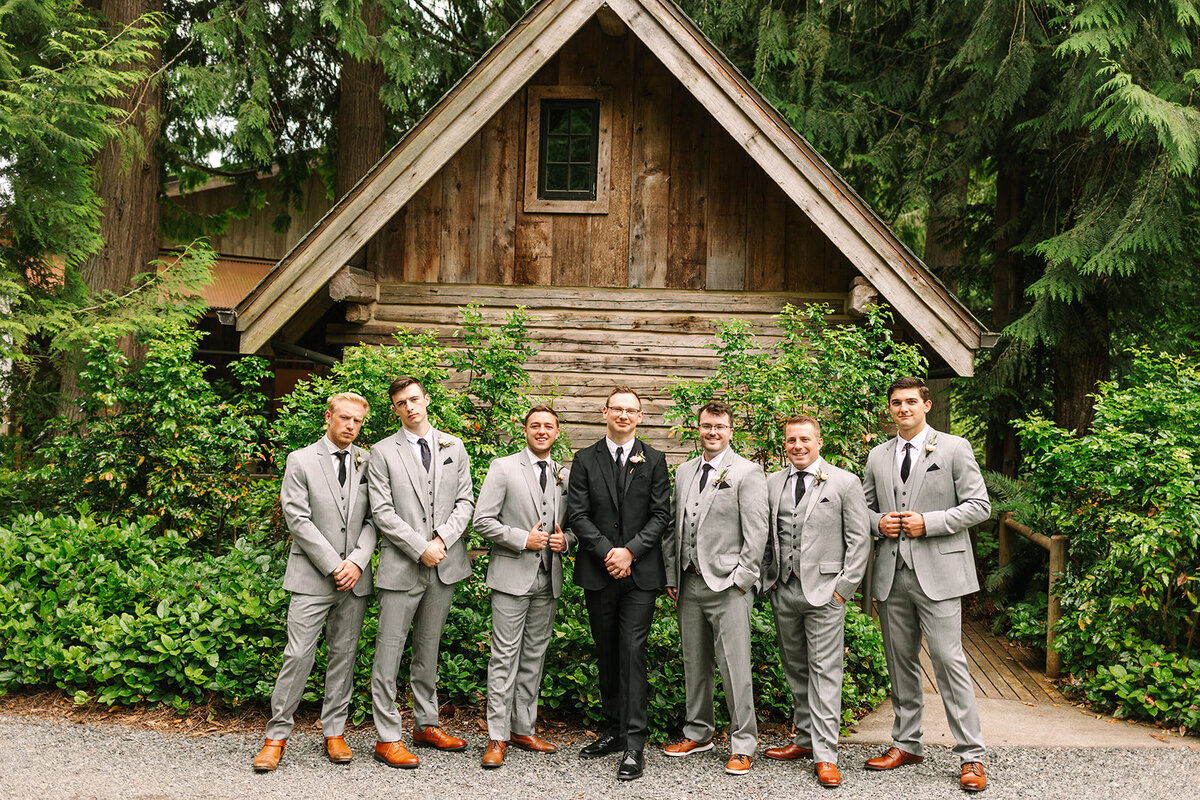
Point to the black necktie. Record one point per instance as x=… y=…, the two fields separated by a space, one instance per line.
x=617 y=461
x=906 y=464
x=799 y=487
x=542 y=479
x=341 y=457
x=704 y=470
x=426 y=456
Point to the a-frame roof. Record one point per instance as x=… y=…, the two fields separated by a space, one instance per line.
x=811 y=183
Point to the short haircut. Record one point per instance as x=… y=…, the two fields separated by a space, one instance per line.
x=802 y=419
x=623 y=390
x=347 y=397
x=716 y=408
x=402 y=383
x=540 y=408
x=908 y=382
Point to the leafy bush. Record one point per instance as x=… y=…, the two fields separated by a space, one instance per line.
x=1127 y=493
x=836 y=373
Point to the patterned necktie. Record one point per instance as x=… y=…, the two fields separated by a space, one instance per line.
x=799 y=487
x=906 y=464
x=341 y=457
x=426 y=456
x=704 y=470
x=542 y=479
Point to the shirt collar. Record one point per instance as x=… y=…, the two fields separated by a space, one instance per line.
x=716 y=462
x=811 y=469
x=918 y=441
x=533 y=460
x=626 y=449
x=413 y=438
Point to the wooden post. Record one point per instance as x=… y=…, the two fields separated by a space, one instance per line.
x=1058 y=564
x=1004 y=538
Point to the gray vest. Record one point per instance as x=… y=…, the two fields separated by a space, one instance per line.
x=692 y=522
x=546 y=512
x=788 y=525
x=901 y=496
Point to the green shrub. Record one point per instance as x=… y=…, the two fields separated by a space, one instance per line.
x=1127 y=493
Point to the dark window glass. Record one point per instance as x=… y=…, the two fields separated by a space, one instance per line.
x=567 y=149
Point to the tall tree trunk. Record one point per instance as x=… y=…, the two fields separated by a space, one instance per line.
x=1081 y=360
x=1001 y=450
x=361 y=120
x=127 y=180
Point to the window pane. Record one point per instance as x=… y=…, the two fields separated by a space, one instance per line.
x=556 y=177
x=581 y=149
x=581 y=178
x=557 y=120
x=556 y=149
x=581 y=120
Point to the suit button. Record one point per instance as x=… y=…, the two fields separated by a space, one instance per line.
x=422 y=519
x=343 y=555
x=343 y=530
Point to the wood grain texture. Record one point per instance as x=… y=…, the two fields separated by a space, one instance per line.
x=687 y=212
x=650 y=172
x=727 y=209
x=499 y=179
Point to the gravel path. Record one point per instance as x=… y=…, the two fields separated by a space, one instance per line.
x=49 y=760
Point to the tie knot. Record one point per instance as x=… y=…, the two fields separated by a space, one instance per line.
x=341 y=455
x=706 y=467
x=542 y=465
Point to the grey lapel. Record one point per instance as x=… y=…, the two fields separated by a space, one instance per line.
x=887 y=498
x=922 y=464
x=710 y=491
x=531 y=478
x=813 y=495
x=325 y=453
x=413 y=468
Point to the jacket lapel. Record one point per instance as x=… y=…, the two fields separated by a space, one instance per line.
x=923 y=460
x=813 y=496
x=412 y=467
x=710 y=491
x=887 y=496
x=325 y=453
x=631 y=466
x=531 y=479
x=604 y=463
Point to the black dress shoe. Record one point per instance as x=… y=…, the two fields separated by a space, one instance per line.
x=631 y=766
x=607 y=743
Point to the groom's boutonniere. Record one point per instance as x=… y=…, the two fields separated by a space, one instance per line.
x=444 y=441
x=720 y=479
x=821 y=476
x=637 y=458
x=931 y=445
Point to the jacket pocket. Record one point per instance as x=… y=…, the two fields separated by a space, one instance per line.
x=830 y=567
x=953 y=545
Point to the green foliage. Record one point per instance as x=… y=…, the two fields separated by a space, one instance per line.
x=1127 y=495
x=836 y=373
x=156 y=439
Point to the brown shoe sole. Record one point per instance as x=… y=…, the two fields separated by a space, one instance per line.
x=529 y=749
x=433 y=746
x=383 y=760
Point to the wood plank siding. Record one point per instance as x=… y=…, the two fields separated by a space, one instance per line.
x=590 y=339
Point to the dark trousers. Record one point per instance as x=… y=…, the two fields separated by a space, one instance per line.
x=620 y=615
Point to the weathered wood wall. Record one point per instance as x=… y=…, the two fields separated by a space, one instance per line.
x=254 y=235
x=591 y=339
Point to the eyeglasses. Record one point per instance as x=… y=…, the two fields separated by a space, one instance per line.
x=706 y=428
x=618 y=410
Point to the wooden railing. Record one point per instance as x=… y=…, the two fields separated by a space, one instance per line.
x=1057 y=547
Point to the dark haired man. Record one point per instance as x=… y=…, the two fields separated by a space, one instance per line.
x=421 y=500
x=713 y=554
x=924 y=490
x=619 y=507
x=522 y=506
x=819 y=546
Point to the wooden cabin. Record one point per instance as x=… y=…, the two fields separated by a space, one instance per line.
x=607 y=168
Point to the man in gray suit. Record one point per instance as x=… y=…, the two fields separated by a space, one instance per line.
x=712 y=555
x=521 y=509
x=324 y=496
x=816 y=557
x=924 y=490
x=421 y=501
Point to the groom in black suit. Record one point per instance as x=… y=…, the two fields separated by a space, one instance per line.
x=619 y=506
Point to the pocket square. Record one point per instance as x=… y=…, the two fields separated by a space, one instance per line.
x=448 y=461
x=363 y=479
x=824 y=499
x=723 y=485
x=932 y=467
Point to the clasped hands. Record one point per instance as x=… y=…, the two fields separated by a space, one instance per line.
x=345 y=575
x=910 y=522
x=619 y=562
x=538 y=539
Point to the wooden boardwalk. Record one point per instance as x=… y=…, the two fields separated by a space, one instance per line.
x=999 y=670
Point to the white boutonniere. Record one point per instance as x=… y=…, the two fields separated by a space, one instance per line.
x=361 y=456
x=637 y=458
x=560 y=475
x=444 y=442
x=821 y=476
x=717 y=481
x=931 y=445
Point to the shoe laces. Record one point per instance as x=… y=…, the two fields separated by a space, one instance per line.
x=972 y=768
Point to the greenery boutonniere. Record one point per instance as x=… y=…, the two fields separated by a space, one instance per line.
x=361 y=456
x=444 y=441
x=637 y=458
x=931 y=445
x=560 y=475
x=821 y=476
x=717 y=481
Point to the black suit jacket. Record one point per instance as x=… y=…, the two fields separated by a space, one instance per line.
x=632 y=510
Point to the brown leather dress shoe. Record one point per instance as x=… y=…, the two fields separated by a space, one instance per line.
x=827 y=774
x=337 y=750
x=268 y=758
x=738 y=764
x=894 y=757
x=434 y=736
x=533 y=743
x=972 y=778
x=395 y=754
x=789 y=752
x=686 y=747
x=494 y=755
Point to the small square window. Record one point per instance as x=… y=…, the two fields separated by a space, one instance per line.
x=567 y=152
x=568 y=146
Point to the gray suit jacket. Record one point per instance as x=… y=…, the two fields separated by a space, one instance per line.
x=946 y=487
x=509 y=505
x=732 y=528
x=324 y=530
x=835 y=541
x=401 y=509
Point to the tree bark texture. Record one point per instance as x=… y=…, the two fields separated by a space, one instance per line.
x=1081 y=360
x=361 y=119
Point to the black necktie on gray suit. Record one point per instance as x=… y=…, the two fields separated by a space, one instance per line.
x=341 y=457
